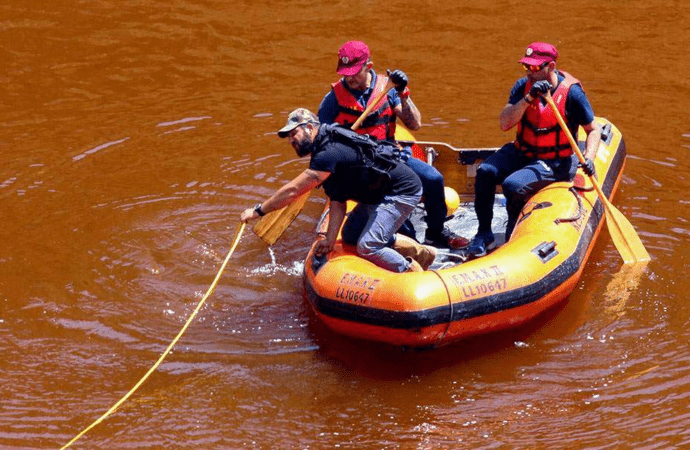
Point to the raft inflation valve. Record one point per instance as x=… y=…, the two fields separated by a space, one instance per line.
x=606 y=134
x=545 y=251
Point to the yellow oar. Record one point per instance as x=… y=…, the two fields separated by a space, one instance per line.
x=274 y=224
x=271 y=226
x=623 y=234
x=390 y=85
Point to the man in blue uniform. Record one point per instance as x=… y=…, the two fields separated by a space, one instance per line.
x=351 y=167
x=348 y=98
x=541 y=153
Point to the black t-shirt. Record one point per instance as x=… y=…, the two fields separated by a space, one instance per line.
x=339 y=159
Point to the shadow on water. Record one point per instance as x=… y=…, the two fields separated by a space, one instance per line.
x=480 y=353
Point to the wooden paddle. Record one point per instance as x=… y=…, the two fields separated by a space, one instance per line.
x=467 y=156
x=623 y=234
x=448 y=146
x=273 y=225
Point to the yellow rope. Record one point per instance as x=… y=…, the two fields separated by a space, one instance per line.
x=238 y=234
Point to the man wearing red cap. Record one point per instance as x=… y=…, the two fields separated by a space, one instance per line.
x=350 y=96
x=541 y=153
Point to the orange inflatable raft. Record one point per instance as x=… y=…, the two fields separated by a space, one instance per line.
x=538 y=268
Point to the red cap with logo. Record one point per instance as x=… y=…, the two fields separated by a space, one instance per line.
x=538 y=53
x=351 y=57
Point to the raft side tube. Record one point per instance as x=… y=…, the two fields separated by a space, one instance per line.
x=538 y=268
x=369 y=305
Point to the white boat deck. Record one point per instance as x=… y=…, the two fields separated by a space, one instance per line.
x=464 y=223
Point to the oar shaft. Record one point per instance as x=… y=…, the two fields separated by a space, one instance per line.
x=573 y=144
x=623 y=235
x=447 y=146
x=565 y=128
x=373 y=105
x=433 y=144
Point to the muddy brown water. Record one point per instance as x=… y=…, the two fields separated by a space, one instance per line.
x=134 y=133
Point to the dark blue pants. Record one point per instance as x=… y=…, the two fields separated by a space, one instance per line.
x=434 y=195
x=520 y=178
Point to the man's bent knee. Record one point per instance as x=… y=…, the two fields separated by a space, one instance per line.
x=366 y=248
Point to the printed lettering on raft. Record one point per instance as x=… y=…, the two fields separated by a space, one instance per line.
x=477 y=275
x=483 y=281
x=484 y=288
x=356 y=288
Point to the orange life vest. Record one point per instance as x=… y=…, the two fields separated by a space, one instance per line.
x=539 y=135
x=379 y=124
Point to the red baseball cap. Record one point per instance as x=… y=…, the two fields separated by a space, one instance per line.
x=538 y=53
x=351 y=57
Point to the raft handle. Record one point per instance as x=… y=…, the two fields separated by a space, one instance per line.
x=573 y=190
x=606 y=134
x=545 y=251
x=317 y=262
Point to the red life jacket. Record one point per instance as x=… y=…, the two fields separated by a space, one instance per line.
x=379 y=124
x=539 y=135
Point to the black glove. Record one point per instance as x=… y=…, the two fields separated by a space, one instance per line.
x=588 y=167
x=398 y=78
x=539 y=88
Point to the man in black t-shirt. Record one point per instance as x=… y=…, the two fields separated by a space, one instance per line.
x=386 y=194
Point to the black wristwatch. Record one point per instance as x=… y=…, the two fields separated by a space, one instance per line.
x=257 y=208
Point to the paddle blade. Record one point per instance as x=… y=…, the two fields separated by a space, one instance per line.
x=624 y=236
x=271 y=226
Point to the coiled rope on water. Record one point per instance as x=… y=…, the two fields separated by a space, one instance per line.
x=238 y=235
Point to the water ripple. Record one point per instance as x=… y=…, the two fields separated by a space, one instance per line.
x=183 y=120
x=99 y=148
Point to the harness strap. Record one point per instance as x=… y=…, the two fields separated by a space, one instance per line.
x=537 y=130
x=552 y=152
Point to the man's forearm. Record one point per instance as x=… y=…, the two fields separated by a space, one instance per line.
x=409 y=114
x=592 y=142
x=336 y=215
x=511 y=114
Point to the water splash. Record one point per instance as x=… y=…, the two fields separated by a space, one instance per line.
x=274 y=268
